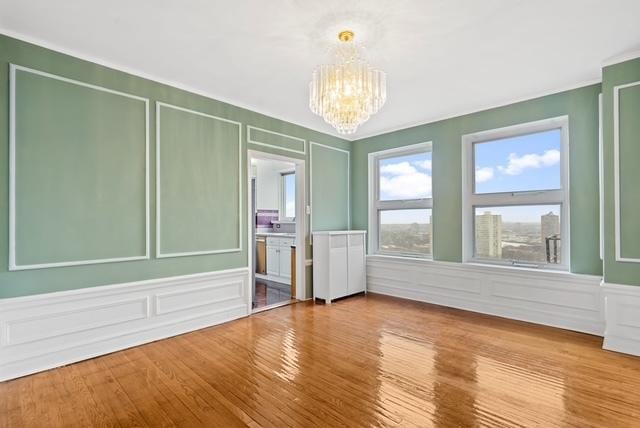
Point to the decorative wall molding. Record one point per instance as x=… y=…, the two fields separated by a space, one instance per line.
x=556 y=299
x=159 y=253
x=622 y=313
x=616 y=171
x=251 y=140
x=44 y=331
x=311 y=145
x=13 y=266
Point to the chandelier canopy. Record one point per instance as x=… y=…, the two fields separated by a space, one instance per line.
x=347 y=91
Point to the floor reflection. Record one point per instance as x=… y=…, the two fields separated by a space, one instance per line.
x=363 y=361
x=267 y=293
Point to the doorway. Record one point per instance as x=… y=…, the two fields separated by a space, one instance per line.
x=276 y=230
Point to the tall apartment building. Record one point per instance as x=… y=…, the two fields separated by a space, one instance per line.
x=549 y=225
x=489 y=235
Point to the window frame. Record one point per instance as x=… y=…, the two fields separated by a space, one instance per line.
x=283 y=195
x=472 y=200
x=376 y=205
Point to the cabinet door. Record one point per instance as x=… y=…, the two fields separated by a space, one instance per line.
x=357 y=270
x=261 y=255
x=338 y=278
x=285 y=262
x=273 y=260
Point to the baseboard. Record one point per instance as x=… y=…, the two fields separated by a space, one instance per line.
x=556 y=299
x=622 y=313
x=45 y=331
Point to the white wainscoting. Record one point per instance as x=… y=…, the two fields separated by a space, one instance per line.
x=622 y=312
x=557 y=299
x=50 y=330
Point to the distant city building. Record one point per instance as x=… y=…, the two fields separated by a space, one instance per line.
x=550 y=234
x=549 y=225
x=489 y=235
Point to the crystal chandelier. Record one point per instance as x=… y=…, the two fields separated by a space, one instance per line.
x=347 y=92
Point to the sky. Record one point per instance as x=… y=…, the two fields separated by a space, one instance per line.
x=521 y=214
x=527 y=162
x=405 y=177
x=290 y=195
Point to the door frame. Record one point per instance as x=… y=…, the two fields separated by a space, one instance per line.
x=301 y=221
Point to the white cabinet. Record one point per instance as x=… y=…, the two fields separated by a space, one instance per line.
x=273 y=260
x=279 y=258
x=285 y=262
x=338 y=264
x=357 y=266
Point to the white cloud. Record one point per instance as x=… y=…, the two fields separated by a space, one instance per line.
x=401 y=168
x=484 y=174
x=517 y=164
x=403 y=181
x=425 y=164
x=408 y=186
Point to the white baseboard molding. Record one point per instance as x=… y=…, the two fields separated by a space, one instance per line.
x=556 y=299
x=622 y=313
x=44 y=331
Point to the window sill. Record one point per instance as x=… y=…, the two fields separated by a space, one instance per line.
x=560 y=270
x=486 y=268
x=402 y=257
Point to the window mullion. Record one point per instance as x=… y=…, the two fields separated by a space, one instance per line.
x=402 y=205
x=525 y=198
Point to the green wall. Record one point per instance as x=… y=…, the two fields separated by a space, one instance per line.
x=103 y=167
x=71 y=206
x=581 y=105
x=94 y=172
x=622 y=272
x=330 y=188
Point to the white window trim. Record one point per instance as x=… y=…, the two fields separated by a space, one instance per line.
x=283 y=195
x=374 y=204
x=538 y=197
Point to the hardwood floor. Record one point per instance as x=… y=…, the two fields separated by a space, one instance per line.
x=363 y=361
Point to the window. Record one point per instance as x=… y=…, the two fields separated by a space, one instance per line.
x=400 y=201
x=288 y=200
x=515 y=196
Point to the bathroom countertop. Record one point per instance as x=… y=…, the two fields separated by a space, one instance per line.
x=282 y=234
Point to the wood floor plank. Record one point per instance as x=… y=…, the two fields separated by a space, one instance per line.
x=363 y=361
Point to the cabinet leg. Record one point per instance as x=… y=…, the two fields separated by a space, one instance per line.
x=327 y=301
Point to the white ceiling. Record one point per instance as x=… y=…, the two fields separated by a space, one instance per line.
x=442 y=57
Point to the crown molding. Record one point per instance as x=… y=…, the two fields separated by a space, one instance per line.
x=480 y=109
x=354 y=138
x=627 y=56
x=139 y=73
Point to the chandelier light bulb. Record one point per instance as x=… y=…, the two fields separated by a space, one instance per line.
x=347 y=91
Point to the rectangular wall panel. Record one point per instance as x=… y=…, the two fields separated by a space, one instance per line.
x=49 y=330
x=622 y=309
x=78 y=190
x=198 y=183
x=557 y=299
x=330 y=182
x=276 y=140
x=628 y=175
